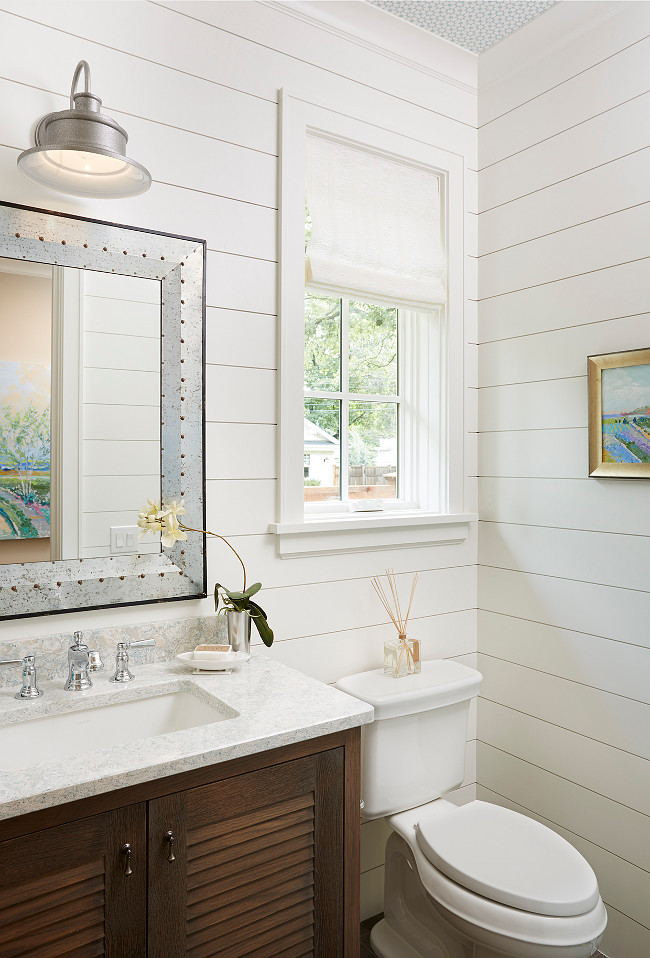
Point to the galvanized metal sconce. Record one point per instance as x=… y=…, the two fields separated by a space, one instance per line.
x=82 y=151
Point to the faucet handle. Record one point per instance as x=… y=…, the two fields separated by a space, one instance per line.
x=30 y=690
x=122 y=672
x=77 y=641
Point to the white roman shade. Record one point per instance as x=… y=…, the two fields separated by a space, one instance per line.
x=376 y=230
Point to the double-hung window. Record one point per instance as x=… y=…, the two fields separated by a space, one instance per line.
x=370 y=338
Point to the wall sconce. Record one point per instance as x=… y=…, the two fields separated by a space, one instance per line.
x=82 y=151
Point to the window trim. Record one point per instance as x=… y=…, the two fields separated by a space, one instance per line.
x=300 y=534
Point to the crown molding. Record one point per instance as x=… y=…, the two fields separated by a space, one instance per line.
x=381 y=32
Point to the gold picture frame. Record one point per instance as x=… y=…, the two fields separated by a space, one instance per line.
x=619 y=414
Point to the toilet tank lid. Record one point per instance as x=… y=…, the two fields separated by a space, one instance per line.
x=441 y=682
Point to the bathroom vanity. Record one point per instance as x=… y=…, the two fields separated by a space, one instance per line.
x=236 y=838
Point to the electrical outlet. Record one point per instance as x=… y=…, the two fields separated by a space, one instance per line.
x=124 y=539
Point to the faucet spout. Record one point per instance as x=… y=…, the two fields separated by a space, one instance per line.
x=78 y=662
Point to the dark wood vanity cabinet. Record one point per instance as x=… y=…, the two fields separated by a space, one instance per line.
x=253 y=858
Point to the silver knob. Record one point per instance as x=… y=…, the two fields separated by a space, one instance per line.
x=30 y=690
x=122 y=672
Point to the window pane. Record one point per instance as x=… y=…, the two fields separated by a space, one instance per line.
x=372 y=462
x=322 y=343
x=373 y=349
x=322 y=450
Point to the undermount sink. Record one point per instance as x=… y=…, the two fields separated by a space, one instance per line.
x=56 y=737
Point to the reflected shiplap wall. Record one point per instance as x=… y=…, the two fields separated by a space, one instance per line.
x=196 y=86
x=564 y=241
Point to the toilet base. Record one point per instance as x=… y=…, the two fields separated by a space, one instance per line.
x=415 y=927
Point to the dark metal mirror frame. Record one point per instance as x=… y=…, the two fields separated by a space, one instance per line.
x=61 y=239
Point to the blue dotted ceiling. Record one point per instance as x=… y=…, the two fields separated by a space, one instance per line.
x=472 y=24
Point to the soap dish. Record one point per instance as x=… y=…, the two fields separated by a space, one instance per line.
x=225 y=662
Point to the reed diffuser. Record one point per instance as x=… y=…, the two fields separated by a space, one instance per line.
x=401 y=655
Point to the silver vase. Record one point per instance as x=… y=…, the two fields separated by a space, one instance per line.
x=239 y=630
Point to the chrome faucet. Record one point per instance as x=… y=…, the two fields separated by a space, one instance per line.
x=81 y=661
x=30 y=690
x=122 y=673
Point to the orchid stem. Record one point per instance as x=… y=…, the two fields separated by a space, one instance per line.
x=217 y=536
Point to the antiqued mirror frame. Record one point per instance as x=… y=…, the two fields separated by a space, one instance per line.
x=61 y=239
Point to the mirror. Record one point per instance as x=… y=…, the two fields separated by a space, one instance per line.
x=101 y=408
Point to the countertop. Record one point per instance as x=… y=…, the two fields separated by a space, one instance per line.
x=266 y=704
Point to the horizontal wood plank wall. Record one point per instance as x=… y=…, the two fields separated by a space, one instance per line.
x=196 y=86
x=564 y=227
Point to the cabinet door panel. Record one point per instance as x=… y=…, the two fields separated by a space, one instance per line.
x=264 y=866
x=64 y=894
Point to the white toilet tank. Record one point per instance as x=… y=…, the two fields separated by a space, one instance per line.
x=415 y=748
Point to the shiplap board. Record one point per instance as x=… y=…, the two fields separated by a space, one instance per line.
x=606 y=294
x=621 y=884
x=612 y=612
x=372 y=893
x=560 y=353
x=533 y=454
x=114 y=493
x=135 y=458
x=555 y=403
x=240 y=506
x=612 y=719
x=123 y=316
x=112 y=351
x=240 y=451
x=602 y=86
x=568 y=754
x=236 y=338
x=241 y=282
x=121 y=422
x=603 y=664
x=600 y=139
x=96 y=533
x=104 y=386
x=604 y=505
x=111 y=286
x=620 y=237
x=237 y=394
x=619 y=829
x=620 y=561
x=599 y=192
x=590 y=32
x=620 y=928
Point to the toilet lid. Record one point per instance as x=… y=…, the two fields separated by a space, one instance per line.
x=509 y=858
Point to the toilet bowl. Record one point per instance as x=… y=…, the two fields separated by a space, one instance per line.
x=468 y=881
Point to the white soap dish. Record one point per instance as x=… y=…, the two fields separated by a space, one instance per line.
x=225 y=661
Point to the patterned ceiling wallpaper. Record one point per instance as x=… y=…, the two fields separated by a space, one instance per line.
x=472 y=24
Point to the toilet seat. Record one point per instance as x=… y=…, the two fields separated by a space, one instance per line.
x=508 y=858
x=491 y=921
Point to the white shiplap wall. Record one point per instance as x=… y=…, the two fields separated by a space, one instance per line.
x=564 y=241
x=196 y=85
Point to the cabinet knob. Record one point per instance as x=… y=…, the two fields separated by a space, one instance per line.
x=126 y=851
x=169 y=837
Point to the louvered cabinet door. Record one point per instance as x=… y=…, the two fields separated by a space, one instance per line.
x=258 y=868
x=64 y=894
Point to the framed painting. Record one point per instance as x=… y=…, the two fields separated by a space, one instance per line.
x=619 y=414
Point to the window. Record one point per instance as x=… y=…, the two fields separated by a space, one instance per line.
x=371 y=340
x=352 y=401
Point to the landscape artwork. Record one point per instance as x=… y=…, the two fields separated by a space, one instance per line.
x=620 y=388
x=24 y=450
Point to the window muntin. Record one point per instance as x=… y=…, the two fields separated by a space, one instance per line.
x=352 y=401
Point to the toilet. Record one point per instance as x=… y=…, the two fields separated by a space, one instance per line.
x=461 y=881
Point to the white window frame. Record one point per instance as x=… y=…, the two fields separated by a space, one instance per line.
x=434 y=510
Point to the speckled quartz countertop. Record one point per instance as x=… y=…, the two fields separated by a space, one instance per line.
x=265 y=705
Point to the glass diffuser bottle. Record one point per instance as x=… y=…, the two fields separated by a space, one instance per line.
x=401 y=654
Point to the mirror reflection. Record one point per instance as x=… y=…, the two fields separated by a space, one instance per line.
x=79 y=411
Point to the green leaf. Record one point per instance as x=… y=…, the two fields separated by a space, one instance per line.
x=252 y=589
x=258 y=616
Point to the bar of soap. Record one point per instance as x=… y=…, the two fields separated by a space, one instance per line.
x=211 y=651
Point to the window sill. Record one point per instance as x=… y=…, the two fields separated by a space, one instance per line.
x=364 y=533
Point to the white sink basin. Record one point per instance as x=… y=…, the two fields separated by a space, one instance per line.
x=56 y=737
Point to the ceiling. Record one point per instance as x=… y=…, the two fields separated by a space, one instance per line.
x=472 y=24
